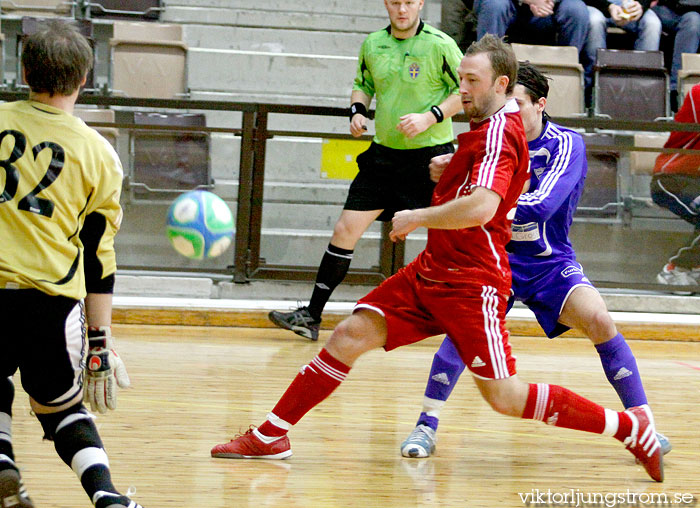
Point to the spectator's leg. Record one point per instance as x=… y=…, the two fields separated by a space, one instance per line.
x=494 y=16
x=669 y=26
x=572 y=19
x=687 y=41
x=534 y=30
x=648 y=30
x=597 y=38
x=678 y=193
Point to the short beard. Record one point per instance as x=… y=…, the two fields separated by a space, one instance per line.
x=475 y=113
x=482 y=112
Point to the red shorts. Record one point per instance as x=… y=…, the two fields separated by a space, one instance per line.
x=472 y=315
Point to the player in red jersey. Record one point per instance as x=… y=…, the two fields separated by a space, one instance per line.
x=459 y=284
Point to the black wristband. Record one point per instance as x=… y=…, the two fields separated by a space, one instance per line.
x=358 y=107
x=435 y=110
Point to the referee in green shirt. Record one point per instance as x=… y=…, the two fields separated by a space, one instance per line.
x=411 y=69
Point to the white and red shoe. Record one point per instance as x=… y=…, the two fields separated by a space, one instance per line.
x=643 y=443
x=253 y=445
x=677 y=276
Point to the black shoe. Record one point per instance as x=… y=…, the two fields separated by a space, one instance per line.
x=12 y=491
x=299 y=321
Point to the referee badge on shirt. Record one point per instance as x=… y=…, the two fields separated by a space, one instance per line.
x=414 y=70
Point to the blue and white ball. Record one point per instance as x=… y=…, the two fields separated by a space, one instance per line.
x=200 y=225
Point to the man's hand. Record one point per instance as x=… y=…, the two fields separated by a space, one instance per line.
x=541 y=8
x=413 y=124
x=358 y=125
x=618 y=15
x=403 y=223
x=622 y=18
x=634 y=10
x=104 y=371
x=437 y=166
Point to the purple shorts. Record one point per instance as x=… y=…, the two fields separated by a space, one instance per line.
x=544 y=286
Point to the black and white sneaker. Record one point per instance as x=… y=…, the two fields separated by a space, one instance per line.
x=299 y=321
x=102 y=499
x=12 y=491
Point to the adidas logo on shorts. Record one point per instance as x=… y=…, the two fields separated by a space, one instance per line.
x=477 y=362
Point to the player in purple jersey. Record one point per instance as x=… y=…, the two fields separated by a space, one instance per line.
x=546 y=276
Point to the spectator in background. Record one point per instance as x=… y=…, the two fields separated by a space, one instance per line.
x=632 y=16
x=681 y=20
x=458 y=21
x=676 y=186
x=567 y=20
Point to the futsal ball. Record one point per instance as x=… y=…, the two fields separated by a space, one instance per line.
x=200 y=225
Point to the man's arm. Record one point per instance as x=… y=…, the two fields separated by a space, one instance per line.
x=413 y=124
x=98 y=309
x=358 y=121
x=105 y=370
x=475 y=209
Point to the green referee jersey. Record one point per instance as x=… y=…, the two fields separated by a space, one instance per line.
x=408 y=76
x=54 y=170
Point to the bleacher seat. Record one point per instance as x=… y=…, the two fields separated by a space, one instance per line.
x=99 y=115
x=30 y=25
x=146 y=10
x=631 y=85
x=38 y=7
x=642 y=163
x=688 y=75
x=601 y=192
x=168 y=161
x=560 y=63
x=148 y=60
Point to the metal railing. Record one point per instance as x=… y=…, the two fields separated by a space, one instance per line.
x=254 y=134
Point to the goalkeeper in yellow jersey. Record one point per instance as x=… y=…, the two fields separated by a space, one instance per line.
x=60 y=183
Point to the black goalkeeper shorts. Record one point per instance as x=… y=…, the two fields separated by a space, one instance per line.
x=43 y=336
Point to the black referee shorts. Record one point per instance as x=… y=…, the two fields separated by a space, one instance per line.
x=43 y=336
x=393 y=180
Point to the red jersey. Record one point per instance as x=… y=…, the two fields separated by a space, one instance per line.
x=678 y=163
x=494 y=155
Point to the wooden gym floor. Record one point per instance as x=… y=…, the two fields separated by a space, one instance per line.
x=194 y=387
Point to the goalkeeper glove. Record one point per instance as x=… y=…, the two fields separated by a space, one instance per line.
x=104 y=371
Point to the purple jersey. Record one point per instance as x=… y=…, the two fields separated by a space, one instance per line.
x=557 y=172
x=542 y=259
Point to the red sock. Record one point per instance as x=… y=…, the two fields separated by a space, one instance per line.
x=555 y=405
x=311 y=386
x=625 y=427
